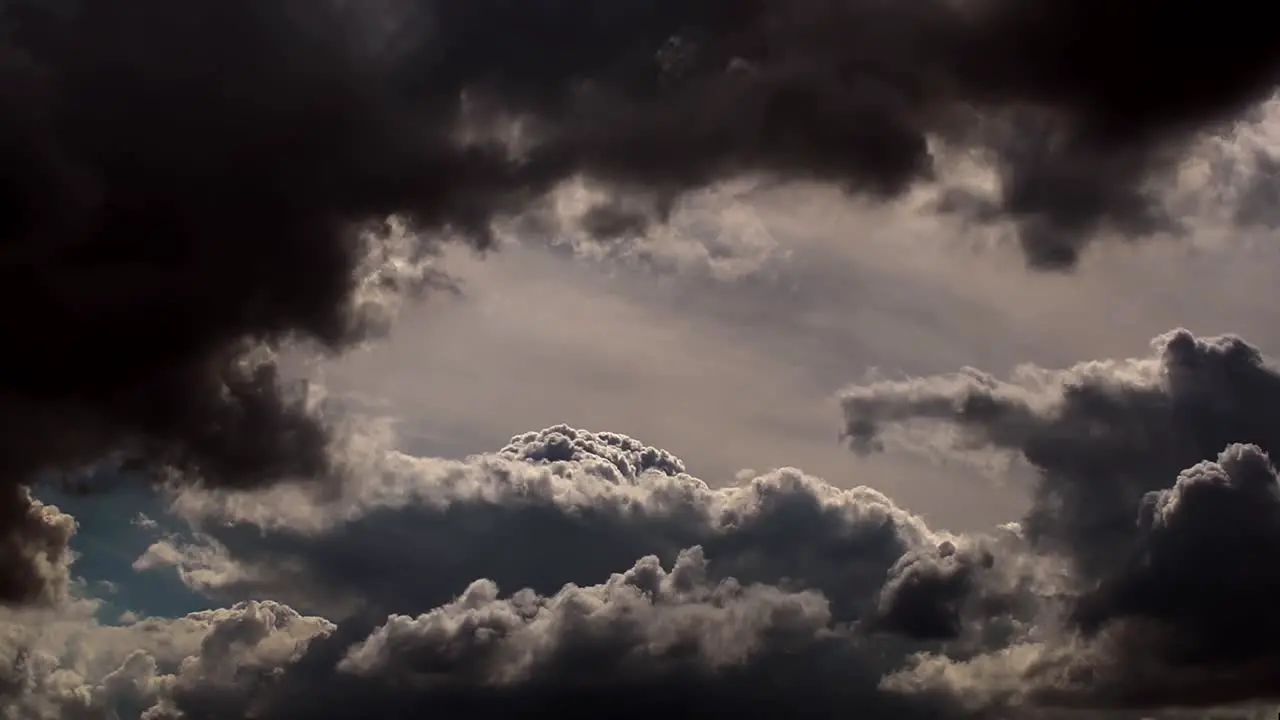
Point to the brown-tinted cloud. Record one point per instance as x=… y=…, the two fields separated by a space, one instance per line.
x=466 y=586
x=189 y=181
x=1154 y=482
x=414 y=532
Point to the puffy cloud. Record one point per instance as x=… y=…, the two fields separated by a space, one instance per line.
x=648 y=640
x=760 y=595
x=589 y=567
x=1194 y=603
x=561 y=505
x=923 y=593
x=616 y=629
x=776 y=594
x=1153 y=481
x=1100 y=435
x=63 y=665
x=243 y=650
x=34 y=549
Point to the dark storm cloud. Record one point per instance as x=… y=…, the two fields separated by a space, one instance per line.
x=923 y=594
x=1198 y=594
x=653 y=639
x=741 y=603
x=38 y=539
x=185 y=181
x=417 y=531
x=752 y=622
x=1154 y=481
x=1101 y=434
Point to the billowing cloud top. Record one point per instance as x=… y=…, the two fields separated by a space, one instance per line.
x=1153 y=481
x=572 y=566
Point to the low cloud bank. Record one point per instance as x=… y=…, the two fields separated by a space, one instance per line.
x=589 y=567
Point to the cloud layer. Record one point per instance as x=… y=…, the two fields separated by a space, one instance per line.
x=191 y=187
x=572 y=566
x=190 y=183
x=556 y=506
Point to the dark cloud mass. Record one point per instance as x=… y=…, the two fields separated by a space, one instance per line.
x=416 y=531
x=189 y=187
x=466 y=587
x=758 y=614
x=1155 y=483
x=187 y=181
x=1102 y=434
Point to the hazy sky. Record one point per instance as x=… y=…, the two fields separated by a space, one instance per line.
x=732 y=364
x=725 y=342
x=738 y=372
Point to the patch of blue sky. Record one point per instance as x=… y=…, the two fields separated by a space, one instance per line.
x=115 y=527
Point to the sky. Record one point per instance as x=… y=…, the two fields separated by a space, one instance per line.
x=736 y=373
x=748 y=358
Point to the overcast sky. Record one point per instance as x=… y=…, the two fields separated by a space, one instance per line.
x=738 y=370
x=897 y=360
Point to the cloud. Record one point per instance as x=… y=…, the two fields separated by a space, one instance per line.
x=243 y=648
x=1153 y=481
x=194 y=186
x=1101 y=434
x=650 y=639
x=1194 y=596
x=63 y=665
x=416 y=531
x=38 y=543
x=477 y=586
x=741 y=620
x=923 y=592
x=192 y=183
x=677 y=635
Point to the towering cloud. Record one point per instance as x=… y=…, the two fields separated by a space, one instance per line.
x=1154 y=482
x=414 y=532
x=1101 y=434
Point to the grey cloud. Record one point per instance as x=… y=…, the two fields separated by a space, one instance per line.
x=38 y=541
x=772 y=597
x=794 y=596
x=561 y=505
x=924 y=591
x=244 y=649
x=616 y=629
x=1257 y=206
x=63 y=665
x=1101 y=434
x=649 y=640
x=191 y=182
x=1153 y=480
x=1196 y=596
x=595 y=451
